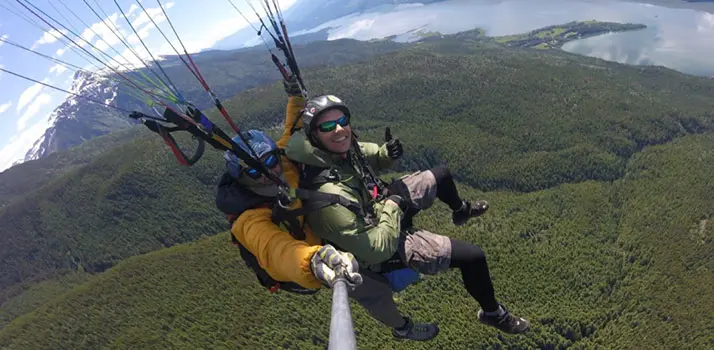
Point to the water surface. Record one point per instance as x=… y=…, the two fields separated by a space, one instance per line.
x=681 y=39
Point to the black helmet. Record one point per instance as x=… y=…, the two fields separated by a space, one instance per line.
x=317 y=105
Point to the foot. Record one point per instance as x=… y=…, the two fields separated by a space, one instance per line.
x=416 y=331
x=506 y=322
x=469 y=210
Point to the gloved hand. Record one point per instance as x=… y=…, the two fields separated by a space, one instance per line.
x=399 y=201
x=394 y=146
x=292 y=87
x=327 y=262
x=136 y=115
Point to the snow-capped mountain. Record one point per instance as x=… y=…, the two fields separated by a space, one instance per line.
x=77 y=120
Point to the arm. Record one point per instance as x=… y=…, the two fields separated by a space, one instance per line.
x=292 y=117
x=277 y=252
x=376 y=155
x=369 y=244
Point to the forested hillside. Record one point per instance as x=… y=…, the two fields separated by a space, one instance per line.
x=589 y=264
x=600 y=177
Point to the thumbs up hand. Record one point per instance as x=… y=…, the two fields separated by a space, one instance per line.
x=394 y=146
x=387 y=134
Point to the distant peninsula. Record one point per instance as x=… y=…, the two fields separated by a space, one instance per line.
x=551 y=37
x=555 y=36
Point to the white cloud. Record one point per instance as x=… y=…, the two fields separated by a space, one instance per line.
x=49 y=37
x=155 y=13
x=32 y=110
x=107 y=34
x=58 y=69
x=145 y=20
x=132 y=8
x=210 y=36
x=3 y=37
x=21 y=143
x=101 y=45
x=103 y=32
x=127 y=59
x=4 y=107
x=61 y=51
x=87 y=36
x=106 y=29
x=28 y=95
x=706 y=23
x=143 y=34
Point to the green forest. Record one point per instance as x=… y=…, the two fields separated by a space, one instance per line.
x=557 y=35
x=599 y=175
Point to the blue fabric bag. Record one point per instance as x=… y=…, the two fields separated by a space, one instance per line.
x=401 y=278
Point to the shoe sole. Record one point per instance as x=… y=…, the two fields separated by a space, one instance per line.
x=520 y=319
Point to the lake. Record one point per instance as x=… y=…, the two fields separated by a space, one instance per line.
x=677 y=38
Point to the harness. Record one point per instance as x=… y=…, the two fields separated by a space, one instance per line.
x=233 y=199
x=311 y=201
x=372 y=183
x=312 y=177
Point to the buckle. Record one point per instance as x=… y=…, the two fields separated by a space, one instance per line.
x=283 y=200
x=333 y=175
x=374 y=190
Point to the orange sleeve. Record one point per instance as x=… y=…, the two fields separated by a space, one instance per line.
x=283 y=257
x=292 y=116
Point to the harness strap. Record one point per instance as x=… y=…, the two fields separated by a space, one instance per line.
x=329 y=198
x=312 y=201
x=315 y=176
x=291 y=222
x=369 y=176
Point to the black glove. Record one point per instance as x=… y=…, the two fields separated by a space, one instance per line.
x=292 y=87
x=136 y=115
x=401 y=203
x=394 y=146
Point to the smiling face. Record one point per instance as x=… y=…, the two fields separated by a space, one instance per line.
x=333 y=131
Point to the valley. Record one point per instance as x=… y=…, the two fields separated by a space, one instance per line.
x=600 y=231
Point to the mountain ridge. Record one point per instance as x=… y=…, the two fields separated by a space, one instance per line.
x=76 y=120
x=568 y=149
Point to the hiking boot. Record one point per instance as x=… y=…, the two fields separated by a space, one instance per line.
x=505 y=322
x=467 y=211
x=416 y=331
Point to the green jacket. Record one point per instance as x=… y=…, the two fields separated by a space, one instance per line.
x=335 y=223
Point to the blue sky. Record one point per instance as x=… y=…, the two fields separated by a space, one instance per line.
x=26 y=107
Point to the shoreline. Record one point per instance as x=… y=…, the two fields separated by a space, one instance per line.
x=678 y=4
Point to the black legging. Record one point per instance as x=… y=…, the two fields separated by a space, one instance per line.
x=446 y=188
x=471 y=259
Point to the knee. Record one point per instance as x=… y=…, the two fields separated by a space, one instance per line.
x=475 y=255
x=466 y=253
x=441 y=172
